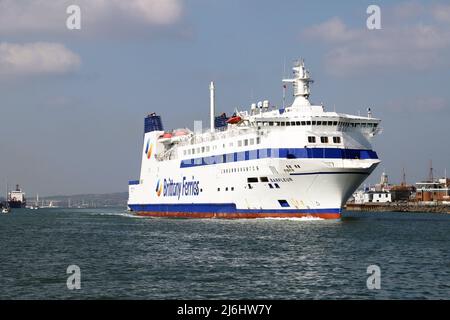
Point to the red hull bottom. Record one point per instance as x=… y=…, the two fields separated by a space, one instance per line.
x=236 y=215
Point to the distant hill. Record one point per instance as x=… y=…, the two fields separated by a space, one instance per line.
x=118 y=199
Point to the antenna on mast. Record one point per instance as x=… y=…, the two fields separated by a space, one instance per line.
x=212 y=105
x=403 y=177
x=284 y=85
x=431 y=171
x=301 y=84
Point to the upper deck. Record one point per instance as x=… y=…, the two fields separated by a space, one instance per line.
x=300 y=124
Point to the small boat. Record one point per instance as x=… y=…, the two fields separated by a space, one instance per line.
x=36 y=206
x=234 y=120
x=5 y=207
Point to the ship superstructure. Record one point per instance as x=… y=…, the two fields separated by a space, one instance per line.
x=266 y=162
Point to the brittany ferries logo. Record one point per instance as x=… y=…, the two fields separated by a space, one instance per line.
x=183 y=188
x=159 y=187
x=149 y=149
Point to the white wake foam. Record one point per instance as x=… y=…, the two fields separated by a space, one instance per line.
x=120 y=214
x=294 y=219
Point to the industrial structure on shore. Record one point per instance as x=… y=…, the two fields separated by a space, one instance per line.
x=430 y=191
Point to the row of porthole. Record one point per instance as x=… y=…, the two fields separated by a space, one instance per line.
x=314 y=123
x=205 y=149
x=242 y=169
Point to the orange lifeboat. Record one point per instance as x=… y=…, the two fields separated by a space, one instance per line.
x=166 y=135
x=234 y=120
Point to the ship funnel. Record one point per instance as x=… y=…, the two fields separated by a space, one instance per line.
x=212 y=105
x=153 y=123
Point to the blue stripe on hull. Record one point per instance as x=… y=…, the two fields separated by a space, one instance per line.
x=221 y=208
x=283 y=153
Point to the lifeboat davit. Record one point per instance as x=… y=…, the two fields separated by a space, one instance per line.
x=234 y=120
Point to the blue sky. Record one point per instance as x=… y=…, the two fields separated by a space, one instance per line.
x=73 y=102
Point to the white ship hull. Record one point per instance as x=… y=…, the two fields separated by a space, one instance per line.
x=284 y=187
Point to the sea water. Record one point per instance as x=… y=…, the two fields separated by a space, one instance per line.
x=121 y=256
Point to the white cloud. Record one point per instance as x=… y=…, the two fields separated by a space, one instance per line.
x=37 y=16
x=441 y=12
x=332 y=31
x=152 y=11
x=36 y=58
x=399 y=44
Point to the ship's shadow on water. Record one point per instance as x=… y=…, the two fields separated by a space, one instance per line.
x=122 y=256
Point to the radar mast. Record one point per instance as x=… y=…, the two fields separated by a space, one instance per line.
x=300 y=84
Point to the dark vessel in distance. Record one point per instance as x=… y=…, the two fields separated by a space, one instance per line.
x=16 y=198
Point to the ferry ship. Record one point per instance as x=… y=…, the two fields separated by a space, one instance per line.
x=293 y=161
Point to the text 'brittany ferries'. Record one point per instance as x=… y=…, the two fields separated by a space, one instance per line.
x=182 y=188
